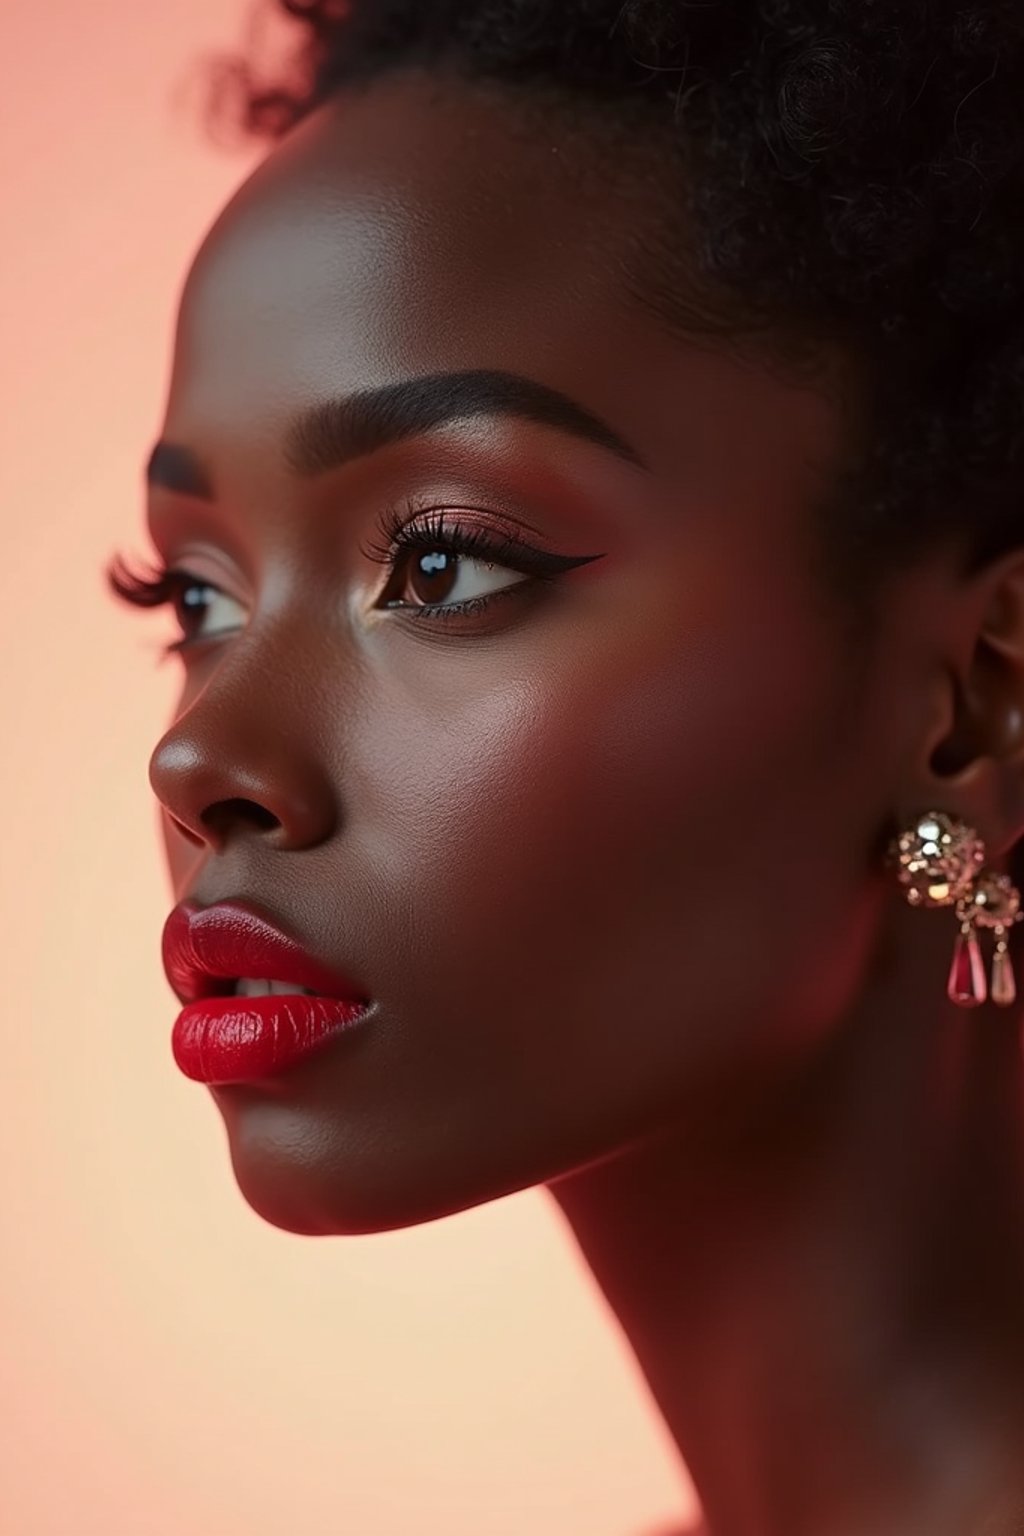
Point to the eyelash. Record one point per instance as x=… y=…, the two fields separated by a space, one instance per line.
x=399 y=535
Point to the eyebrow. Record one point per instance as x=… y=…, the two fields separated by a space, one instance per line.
x=333 y=432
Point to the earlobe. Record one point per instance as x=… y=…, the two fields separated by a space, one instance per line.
x=976 y=766
x=977 y=769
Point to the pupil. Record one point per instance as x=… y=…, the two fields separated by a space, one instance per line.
x=434 y=570
x=190 y=602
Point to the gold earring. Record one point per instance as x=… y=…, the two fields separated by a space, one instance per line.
x=940 y=863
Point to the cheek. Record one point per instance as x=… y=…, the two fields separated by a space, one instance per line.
x=643 y=829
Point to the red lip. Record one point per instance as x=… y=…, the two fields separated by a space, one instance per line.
x=206 y=948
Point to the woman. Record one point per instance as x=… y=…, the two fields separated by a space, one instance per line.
x=591 y=495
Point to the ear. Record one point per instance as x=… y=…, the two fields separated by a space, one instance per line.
x=974 y=760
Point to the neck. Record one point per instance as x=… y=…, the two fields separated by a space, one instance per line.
x=828 y=1303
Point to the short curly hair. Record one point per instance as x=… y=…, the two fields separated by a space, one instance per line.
x=847 y=169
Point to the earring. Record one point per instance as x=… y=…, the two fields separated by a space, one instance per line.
x=940 y=863
x=993 y=902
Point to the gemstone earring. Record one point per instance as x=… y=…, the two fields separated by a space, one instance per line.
x=940 y=863
x=993 y=902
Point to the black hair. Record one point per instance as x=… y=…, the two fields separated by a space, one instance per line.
x=846 y=169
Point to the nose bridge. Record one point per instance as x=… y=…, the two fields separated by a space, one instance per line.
x=249 y=749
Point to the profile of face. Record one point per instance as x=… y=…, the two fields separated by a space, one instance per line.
x=579 y=825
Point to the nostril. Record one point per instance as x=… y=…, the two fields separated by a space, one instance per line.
x=225 y=813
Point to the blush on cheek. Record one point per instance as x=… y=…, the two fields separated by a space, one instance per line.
x=658 y=829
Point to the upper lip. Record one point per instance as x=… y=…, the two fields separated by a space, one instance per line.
x=205 y=948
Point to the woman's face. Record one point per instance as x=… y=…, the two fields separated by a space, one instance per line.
x=600 y=851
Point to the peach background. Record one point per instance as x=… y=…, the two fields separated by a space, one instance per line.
x=172 y=1364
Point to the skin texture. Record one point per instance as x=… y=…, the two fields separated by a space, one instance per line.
x=607 y=857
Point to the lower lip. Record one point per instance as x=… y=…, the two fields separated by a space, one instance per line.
x=237 y=1039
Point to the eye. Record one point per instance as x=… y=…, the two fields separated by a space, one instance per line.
x=443 y=578
x=443 y=570
x=193 y=599
x=201 y=609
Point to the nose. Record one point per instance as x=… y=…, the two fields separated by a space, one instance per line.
x=229 y=768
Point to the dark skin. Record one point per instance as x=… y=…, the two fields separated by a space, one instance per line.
x=607 y=857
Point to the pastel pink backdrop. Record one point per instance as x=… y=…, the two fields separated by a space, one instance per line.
x=172 y=1364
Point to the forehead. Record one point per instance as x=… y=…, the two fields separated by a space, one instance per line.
x=419 y=224
x=394 y=228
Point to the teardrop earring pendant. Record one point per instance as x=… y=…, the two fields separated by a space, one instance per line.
x=966 y=984
x=992 y=902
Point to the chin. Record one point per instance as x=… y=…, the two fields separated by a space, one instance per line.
x=306 y=1174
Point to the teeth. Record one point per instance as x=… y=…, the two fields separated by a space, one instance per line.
x=248 y=986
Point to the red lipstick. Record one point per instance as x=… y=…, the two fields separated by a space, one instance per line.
x=222 y=1038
